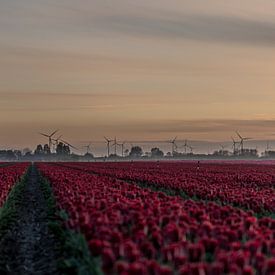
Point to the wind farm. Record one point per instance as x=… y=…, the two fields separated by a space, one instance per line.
x=113 y=149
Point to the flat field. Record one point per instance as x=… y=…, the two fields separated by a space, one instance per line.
x=140 y=217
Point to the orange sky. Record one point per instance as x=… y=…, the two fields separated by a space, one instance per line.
x=140 y=70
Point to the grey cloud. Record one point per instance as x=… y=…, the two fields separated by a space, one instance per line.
x=206 y=126
x=68 y=20
x=195 y=27
x=38 y=94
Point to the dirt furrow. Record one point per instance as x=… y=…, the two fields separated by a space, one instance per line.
x=29 y=247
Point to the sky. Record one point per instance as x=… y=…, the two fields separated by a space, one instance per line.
x=140 y=70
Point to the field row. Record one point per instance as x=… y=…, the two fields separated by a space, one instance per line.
x=251 y=186
x=137 y=231
x=10 y=174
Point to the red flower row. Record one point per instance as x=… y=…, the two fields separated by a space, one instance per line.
x=244 y=184
x=9 y=175
x=137 y=231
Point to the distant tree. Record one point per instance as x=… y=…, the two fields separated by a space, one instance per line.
x=59 y=148
x=74 y=157
x=18 y=154
x=39 y=150
x=62 y=149
x=67 y=150
x=46 y=149
x=169 y=154
x=156 y=153
x=136 y=152
x=147 y=154
x=10 y=155
x=26 y=150
x=28 y=154
x=88 y=156
x=223 y=153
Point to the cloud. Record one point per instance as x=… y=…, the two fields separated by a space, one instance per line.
x=39 y=94
x=209 y=28
x=81 y=21
x=205 y=126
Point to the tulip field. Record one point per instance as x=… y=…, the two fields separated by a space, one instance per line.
x=248 y=185
x=9 y=175
x=224 y=223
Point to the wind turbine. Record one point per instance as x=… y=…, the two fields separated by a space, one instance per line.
x=242 y=139
x=115 y=144
x=174 y=145
x=234 y=145
x=185 y=146
x=122 y=147
x=108 y=145
x=191 y=149
x=49 y=137
x=222 y=148
x=88 y=147
x=268 y=147
x=56 y=140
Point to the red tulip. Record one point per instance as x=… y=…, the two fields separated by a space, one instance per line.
x=137 y=269
x=270 y=266
x=121 y=267
x=108 y=258
x=248 y=270
x=95 y=247
x=165 y=270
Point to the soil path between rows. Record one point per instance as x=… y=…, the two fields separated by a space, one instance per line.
x=29 y=247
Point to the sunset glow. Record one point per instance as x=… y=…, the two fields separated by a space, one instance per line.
x=140 y=70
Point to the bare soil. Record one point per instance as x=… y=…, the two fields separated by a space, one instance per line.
x=29 y=247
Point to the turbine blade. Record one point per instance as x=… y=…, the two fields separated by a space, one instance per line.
x=54 y=133
x=70 y=145
x=239 y=135
x=44 y=135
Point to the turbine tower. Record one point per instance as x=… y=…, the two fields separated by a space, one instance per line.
x=222 y=148
x=56 y=140
x=174 y=145
x=242 y=139
x=108 y=141
x=191 y=149
x=122 y=147
x=115 y=144
x=234 y=146
x=50 y=137
x=185 y=147
x=268 y=147
x=88 y=147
